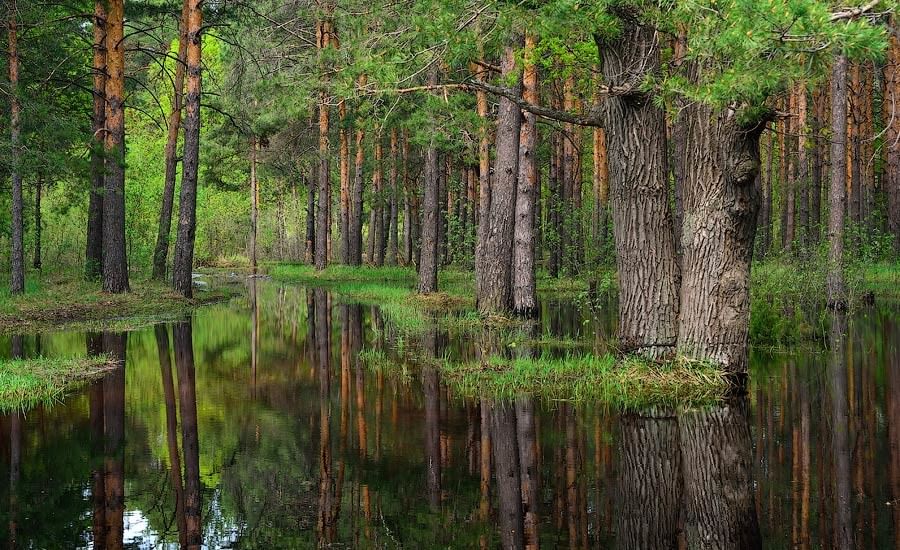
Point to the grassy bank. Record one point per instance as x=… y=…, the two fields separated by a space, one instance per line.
x=25 y=383
x=72 y=302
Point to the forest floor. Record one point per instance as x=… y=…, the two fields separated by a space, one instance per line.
x=63 y=301
x=25 y=383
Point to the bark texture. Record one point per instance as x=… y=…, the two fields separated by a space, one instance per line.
x=428 y=256
x=524 y=297
x=494 y=294
x=505 y=450
x=891 y=115
x=115 y=261
x=721 y=201
x=323 y=198
x=837 y=193
x=187 y=209
x=182 y=341
x=642 y=220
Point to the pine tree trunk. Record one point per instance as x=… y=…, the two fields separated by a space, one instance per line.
x=765 y=209
x=802 y=170
x=524 y=296
x=818 y=162
x=344 y=155
x=356 y=203
x=93 y=257
x=790 y=182
x=377 y=227
x=719 y=508
x=161 y=252
x=428 y=256
x=17 y=235
x=183 y=262
x=115 y=261
x=841 y=445
x=323 y=198
x=505 y=451
x=254 y=205
x=38 y=188
x=484 y=178
x=182 y=341
x=642 y=220
x=601 y=197
x=891 y=115
x=721 y=202
x=310 y=252
x=494 y=295
x=836 y=196
x=553 y=206
x=854 y=136
x=392 y=228
x=529 y=470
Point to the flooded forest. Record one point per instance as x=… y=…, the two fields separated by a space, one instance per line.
x=450 y=274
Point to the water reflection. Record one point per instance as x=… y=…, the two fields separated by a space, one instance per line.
x=256 y=425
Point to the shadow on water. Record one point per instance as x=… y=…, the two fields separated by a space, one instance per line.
x=256 y=425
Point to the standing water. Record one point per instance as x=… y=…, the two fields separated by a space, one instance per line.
x=255 y=425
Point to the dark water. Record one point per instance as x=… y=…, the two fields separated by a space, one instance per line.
x=258 y=428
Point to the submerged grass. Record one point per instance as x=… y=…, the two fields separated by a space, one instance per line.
x=73 y=302
x=25 y=383
x=621 y=383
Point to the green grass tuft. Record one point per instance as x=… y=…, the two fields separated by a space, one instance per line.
x=25 y=383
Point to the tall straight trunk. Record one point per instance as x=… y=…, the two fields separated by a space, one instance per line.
x=867 y=139
x=323 y=198
x=443 y=212
x=891 y=116
x=524 y=297
x=187 y=206
x=411 y=222
x=505 y=451
x=428 y=256
x=356 y=202
x=377 y=229
x=854 y=135
x=765 y=209
x=553 y=206
x=494 y=294
x=529 y=469
x=721 y=202
x=601 y=196
x=344 y=161
x=841 y=446
x=818 y=163
x=392 y=229
x=716 y=459
x=17 y=235
x=161 y=252
x=802 y=169
x=783 y=128
x=254 y=204
x=115 y=261
x=114 y=344
x=642 y=219
x=790 y=183
x=836 y=196
x=165 y=365
x=484 y=177
x=38 y=188
x=310 y=251
x=182 y=341
x=93 y=256
x=567 y=182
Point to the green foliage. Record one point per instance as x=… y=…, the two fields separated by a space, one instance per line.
x=25 y=383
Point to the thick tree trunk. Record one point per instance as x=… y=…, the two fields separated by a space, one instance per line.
x=344 y=161
x=254 y=204
x=836 y=196
x=524 y=296
x=648 y=488
x=161 y=252
x=642 y=220
x=891 y=115
x=38 y=188
x=115 y=261
x=505 y=449
x=323 y=199
x=187 y=208
x=495 y=295
x=93 y=257
x=428 y=258
x=716 y=459
x=721 y=201
x=391 y=226
x=17 y=235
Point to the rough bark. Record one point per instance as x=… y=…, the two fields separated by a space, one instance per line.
x=721 y=201
x=836 y=195
x=17 y=234
x=323 y=198
x=356 y=202
x=524 y=297
x=93 y=256
x=484 y=177
x=494 y=294
x=428 y=256
x=648 y=487
x=161 y=252
x=716 y=458
x=187 y=403
x=344 y=162
x=601 y=196
x=183 y=262
x=891 y=115
x=854 y=143
x=115 y=261
x=642 y=220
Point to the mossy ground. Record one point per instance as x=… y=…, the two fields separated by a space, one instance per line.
x=71 y=302
x=25 y=383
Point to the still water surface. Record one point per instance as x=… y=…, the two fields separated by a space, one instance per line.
x=254 y=425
